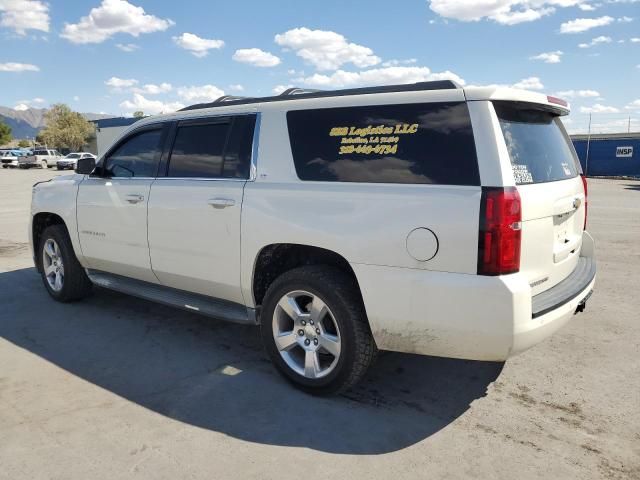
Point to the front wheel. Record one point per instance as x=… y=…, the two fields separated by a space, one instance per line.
x=62 y=275
x=43 y=164
x=315 y=329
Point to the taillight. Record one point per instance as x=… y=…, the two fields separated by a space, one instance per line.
x=500 y=231
x=584 y=186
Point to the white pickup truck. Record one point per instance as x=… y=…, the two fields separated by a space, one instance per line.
x=424 y=218
x=40 y=158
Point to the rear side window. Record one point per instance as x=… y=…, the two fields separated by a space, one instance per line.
x=428 y=143
x=40 y=152
x=539 y=148
x=217 y=149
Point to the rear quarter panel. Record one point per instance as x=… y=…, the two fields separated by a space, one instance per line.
x=366 y=223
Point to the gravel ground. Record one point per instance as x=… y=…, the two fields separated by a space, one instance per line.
x=116 y=387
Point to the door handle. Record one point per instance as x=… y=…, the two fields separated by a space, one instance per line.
x=134 y=198
x=221 y=202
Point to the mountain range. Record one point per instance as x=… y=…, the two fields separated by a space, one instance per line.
x=27 y=123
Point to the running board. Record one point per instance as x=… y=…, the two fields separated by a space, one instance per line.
x=192 y=302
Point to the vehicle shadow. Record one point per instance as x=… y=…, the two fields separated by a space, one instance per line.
x=214 y=375
x=632 y=186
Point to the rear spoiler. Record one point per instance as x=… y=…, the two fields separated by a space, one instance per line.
x=546 y=102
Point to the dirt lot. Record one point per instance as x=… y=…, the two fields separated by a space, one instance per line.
x=116 y=387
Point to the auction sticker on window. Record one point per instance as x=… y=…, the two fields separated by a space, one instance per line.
x=379 y=140
x=521 y=174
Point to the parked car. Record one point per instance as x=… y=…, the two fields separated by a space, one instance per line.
x=423 y=218
x=41 y=158
x=70 y=161
x=9 y=158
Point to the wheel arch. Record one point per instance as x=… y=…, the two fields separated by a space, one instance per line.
x=40 y=222
x=275 y=259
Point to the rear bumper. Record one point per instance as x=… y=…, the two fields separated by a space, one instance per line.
x=464 y=315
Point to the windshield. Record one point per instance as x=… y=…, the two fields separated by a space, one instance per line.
x=73 y=155
x=539 y=148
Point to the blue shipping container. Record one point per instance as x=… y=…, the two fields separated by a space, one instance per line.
x=609 y=155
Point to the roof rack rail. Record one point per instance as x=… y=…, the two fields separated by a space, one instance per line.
x=301 y=94
x=229 y=98
x=299 y=91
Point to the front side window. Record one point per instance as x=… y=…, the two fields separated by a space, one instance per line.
x=138 y=156
x=429 y=143
x=539 y=148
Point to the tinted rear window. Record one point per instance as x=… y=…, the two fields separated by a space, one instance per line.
x=412 y=143
x=41 y=152
x=539 y=148
x=216 y=149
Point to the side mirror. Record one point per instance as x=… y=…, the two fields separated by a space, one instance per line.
x=85 y=166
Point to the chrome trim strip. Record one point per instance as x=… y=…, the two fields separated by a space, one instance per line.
x=253 y=174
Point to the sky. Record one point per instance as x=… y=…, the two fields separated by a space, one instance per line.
x=119 y=56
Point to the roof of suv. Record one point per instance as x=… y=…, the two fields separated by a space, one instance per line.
x=496 y=92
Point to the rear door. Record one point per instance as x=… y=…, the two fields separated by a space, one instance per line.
x=194 y=211
x=547 y=174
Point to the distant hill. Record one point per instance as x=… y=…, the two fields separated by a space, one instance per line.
x=27 y=123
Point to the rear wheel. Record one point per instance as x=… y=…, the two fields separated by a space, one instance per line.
x=43 y=164
x=62 y=274
x=315 y=330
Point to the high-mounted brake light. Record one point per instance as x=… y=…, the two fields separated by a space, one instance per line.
x=500 y=231
x=586 y=202
x=557 y=101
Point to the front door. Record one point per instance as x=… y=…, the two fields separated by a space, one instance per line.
x=112 y=207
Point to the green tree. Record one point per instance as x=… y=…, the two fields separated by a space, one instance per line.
x=5 y=133
x=138 y=114
x=65 y=128
x=24 y=144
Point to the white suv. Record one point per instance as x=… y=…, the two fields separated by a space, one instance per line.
x=421 y=218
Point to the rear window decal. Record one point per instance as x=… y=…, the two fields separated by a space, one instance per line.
x=521 y=174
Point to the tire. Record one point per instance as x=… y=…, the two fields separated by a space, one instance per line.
x=59 y=168
x=344 y=321
x=43 y=164
x=74 y=284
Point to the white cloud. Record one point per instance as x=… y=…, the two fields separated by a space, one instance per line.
x=596 y=41
x=127 y=47
x=625 y=19
x=548 y=57
x=110 y=18
x=395 y=63
x=585 y=7
x=200 y=94
x=236 y=87
x=198 y=47
x=583 y=24
x=18 y=67
x=379 y=76
x=153 y=89
x=118 y=84
x=21 y=107
x=578 y=93
x=529 y=83
x=326 y=50
x=506 y=12
x=278 y=89
x=635 y=40
x=256 y=57
x=76 y=98
x=23 y=15
x=149 y=107
x=635 y=105
x=599 y=108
